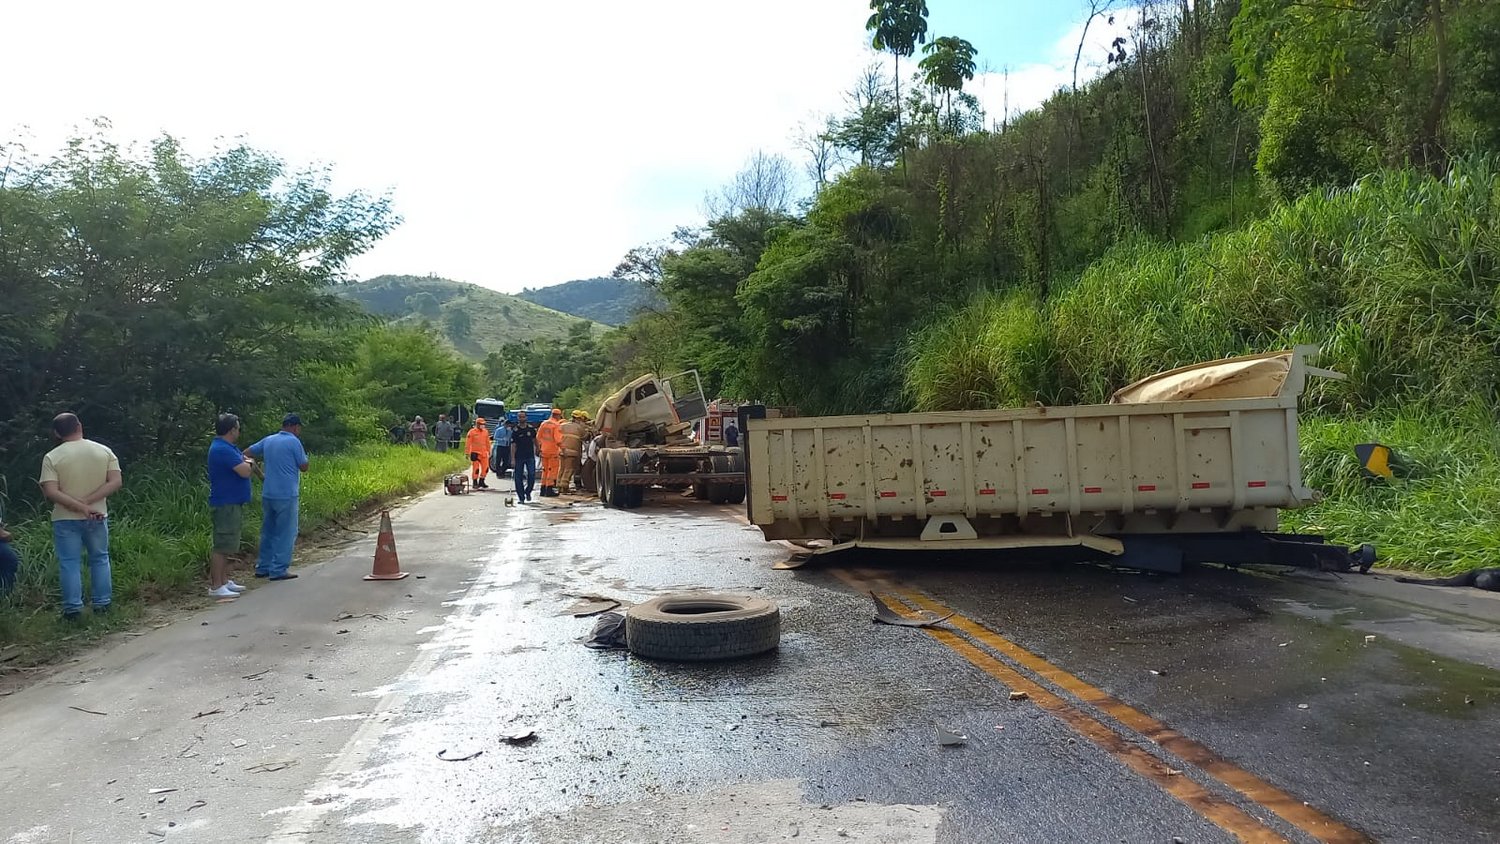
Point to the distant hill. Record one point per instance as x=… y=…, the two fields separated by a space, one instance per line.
x=475 y=320
x=612 y=301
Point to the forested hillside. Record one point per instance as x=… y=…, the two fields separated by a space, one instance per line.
x=473 y=320
x=611 y=301
x=1244 y=175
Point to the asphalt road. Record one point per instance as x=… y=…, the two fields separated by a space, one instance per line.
x=1218 y=706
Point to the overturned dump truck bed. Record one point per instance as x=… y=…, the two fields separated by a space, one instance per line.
x=1189 y=465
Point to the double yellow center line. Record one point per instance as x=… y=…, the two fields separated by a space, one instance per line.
x=1215 y=807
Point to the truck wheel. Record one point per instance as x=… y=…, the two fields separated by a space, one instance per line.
x=602 y=479
x=736 y=491
x=700 y=491
x=694 y=627
x=737 y=494
x=635 y=495
x=588 y=476
x=619 y=494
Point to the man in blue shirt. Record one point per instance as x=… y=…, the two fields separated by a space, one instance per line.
x=228 y=492
x=501 y=461
x=283 y=459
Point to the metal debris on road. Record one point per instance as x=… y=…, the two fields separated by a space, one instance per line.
x=257 y=675
x=197 y=804
x=1019 y=696
x=588 y=605
x=161 y=791
x=239 y=742
x=1303 y=706
x=1368 y=640
x=206 y=714
x=885 y=615
x=522 y=738
x=442 y=754
x=271 y=767
x=950 y=738
x=89 y=711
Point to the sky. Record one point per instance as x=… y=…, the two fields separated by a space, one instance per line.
x=522 y=144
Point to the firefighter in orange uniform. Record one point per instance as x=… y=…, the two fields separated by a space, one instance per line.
x=549 y=443
x=574 y=433
x=478 y=445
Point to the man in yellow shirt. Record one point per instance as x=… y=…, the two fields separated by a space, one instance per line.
x=78 y=477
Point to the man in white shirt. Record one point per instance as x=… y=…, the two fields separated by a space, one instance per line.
x=78 y=477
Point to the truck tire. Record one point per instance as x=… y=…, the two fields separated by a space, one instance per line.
x=602 y=478
x=614 y=464
x=635 y=495
x=696 y=627
x=737 y=492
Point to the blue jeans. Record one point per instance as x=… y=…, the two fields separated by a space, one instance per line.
x=278 y=535
x=72 y=537
x=525 y=473
x=10 y=563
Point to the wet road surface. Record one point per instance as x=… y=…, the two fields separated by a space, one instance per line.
x=1218 y=706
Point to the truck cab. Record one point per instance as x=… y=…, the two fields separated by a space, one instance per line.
x=643 y=409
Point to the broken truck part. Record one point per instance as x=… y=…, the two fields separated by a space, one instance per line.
x=645 y=440
x=1191 y=465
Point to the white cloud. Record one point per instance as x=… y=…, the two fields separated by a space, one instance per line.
x=524 y=144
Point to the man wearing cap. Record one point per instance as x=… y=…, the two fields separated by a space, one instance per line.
x=574 y=432
x=478 y=445
x=523 y=456
x=283 y=459
x=549 y=442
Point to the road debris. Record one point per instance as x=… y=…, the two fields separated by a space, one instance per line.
x=1019 y=696
x=271 y=767
x=197 y=804
x=1157 y=672
x=521 y=738
x=1303 y=706
x=238 y=743
x=885 y=615
x=608 y=632
x=1368 y=640
x=89 y=711
x=206 y=714
x=950 y=738
x=588 y=605
x=442 y=754
x=161 y=791
x=257 y=675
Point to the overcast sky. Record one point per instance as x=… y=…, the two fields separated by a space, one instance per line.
x=523 y=144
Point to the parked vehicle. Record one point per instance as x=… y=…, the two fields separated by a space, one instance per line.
x=1191 y=465
x=645 y=439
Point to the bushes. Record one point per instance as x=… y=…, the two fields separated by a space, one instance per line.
x=1395 y=278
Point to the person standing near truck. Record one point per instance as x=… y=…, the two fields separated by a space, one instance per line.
x=478 y=445
x=574 y=432
x=523 y=456
x=501 y=460
x=549 y=440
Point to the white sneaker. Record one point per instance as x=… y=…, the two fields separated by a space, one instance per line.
x=223 y=592
x=233 y=587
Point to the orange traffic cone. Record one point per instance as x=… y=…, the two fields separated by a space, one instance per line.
x=387 y=566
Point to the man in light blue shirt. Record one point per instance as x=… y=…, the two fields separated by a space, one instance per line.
x=282 y=457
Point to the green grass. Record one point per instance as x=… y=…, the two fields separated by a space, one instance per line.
x=159 y=533
x=1397 y=279
x=1438 y=516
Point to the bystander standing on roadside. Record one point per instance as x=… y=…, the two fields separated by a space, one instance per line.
x=501 y=460
x=283 y=461
x=10 y=561
x=78 y=476
x=418 y=430
x=229 y=472
x=442 y=432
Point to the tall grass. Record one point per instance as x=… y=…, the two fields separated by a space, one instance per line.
x=1397 y=279
x=160 y=528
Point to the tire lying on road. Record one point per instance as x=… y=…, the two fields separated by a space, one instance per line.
x=701 y=626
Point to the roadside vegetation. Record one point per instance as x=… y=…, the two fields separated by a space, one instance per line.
x=1242 y=175
x=149 y=291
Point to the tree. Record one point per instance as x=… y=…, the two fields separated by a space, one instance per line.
x=458 y=323
x=897 y=27
x=424 y=304
x=870 y=130
x=765 y=184
x=948 y=65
